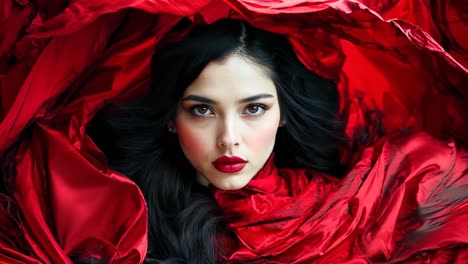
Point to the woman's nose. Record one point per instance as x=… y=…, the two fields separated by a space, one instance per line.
x=228 y=136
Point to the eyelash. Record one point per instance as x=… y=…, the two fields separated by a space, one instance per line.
x=195 y=108
x=260 y=106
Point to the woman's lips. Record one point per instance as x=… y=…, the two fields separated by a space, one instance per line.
x=229 y=164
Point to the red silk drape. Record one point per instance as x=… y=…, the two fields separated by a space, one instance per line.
x=409 y=206
x=398 y=65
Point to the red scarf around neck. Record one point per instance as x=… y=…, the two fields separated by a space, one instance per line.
x=379 y=212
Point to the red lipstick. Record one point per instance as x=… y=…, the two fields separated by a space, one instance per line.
x=229 y=164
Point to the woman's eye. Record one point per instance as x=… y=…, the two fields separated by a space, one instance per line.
x=201 y=110
x=255 y=109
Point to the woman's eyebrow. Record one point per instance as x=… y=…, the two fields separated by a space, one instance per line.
x=255 y=97
x=205 y=100
x=200 y=99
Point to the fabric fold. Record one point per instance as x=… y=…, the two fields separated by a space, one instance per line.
x=400 y=66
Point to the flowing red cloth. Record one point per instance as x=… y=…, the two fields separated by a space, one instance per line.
x=410 y=205
x=399 y=64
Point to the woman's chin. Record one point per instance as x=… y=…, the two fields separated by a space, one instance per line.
x=230 y=184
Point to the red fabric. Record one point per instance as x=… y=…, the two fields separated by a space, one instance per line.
x=411 y=204
x=399 y=64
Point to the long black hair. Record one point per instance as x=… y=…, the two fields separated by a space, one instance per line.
x=185 y=225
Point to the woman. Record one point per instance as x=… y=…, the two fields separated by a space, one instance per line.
x=401 y=199
x=200 y=146
x=218 y=98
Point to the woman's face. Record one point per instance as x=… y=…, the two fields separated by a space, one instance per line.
x=227 y=122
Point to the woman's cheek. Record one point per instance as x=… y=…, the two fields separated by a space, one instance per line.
x=193 y=140
x=264 y=136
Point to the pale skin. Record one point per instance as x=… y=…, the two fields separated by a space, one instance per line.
x=231 y=109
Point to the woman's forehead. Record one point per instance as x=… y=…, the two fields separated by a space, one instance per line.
x=233 y=77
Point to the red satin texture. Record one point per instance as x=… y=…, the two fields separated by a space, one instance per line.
x=408 y=206
x=399 y=65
